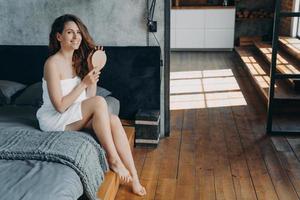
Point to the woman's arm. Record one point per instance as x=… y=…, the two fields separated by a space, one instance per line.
x=91 y=90
x=60 y=102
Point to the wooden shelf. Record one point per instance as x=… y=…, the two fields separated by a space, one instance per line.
x=254 y=19
x=201 y=4
x=202 y=7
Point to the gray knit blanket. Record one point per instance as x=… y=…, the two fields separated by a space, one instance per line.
x=75 y=149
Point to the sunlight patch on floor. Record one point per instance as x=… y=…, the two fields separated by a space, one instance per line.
x=204 y=89
x=257 y=71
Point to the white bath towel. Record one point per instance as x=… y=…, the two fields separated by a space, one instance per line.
x=52 y=120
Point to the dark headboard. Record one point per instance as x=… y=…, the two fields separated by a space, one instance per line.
x=131 y=73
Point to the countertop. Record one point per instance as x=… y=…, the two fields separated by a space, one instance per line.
x=202 y=7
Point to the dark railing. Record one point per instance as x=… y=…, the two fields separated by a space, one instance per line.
x=273 y=75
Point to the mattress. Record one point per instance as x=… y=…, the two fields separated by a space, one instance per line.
x=31 y=179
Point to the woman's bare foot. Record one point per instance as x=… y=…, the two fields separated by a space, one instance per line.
x=119 y=168
x=137 y=188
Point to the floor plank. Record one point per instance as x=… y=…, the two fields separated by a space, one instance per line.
x=222 y=169
x=166 y=189
x=264 y=149
x=240 y=171
x=219 y=152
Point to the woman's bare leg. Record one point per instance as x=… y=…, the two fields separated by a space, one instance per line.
x=95 y=109
x=124 y=151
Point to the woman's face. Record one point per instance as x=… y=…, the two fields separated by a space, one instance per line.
x=70 y=38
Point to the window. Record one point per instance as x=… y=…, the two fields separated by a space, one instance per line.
x=295 y=23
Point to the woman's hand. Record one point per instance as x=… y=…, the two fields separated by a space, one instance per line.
x=89 y=58
x=91 y=78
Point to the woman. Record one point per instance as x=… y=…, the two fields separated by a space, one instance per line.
x=70 y=101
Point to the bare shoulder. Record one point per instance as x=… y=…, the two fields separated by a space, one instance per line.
x=51 y=67
x=51 y=62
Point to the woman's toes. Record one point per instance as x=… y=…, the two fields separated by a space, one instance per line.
x=125 y=179
x=119 y=169
x=142 y=192
x=128 y=179
x=121 y=178
x=138 y=189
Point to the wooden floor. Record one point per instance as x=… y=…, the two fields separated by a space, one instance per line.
x=217 y=150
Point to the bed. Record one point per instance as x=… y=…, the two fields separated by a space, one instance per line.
x=37 y=165
x=32 y=179
x=53 y=166
x=42 y=177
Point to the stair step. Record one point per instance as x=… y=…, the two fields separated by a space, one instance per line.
x=286 y=116
x=290 y=45
x=110 y=185
x=259 y=71
x=285 y=63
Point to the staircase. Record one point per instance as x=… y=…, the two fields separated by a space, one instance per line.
x=257 y=62
x=286 y=63
x=110 y=186
x=291 y=45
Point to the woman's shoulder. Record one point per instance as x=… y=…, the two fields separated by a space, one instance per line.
x=51 y=64
x=52 y=60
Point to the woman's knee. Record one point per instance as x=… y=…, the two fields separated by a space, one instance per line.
x=99 y=102
x=114 y=119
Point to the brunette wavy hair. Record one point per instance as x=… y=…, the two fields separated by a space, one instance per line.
x=86 y=46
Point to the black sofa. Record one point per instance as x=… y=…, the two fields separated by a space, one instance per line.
x=132 y=73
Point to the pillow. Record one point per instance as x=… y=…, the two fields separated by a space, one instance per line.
x=113 y=105
x=8 y=89
x=102 y=92
x=32 y=95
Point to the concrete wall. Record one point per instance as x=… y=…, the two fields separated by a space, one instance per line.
x=110 y=22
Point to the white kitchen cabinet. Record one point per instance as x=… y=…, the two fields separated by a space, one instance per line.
x=173 y=40
x=219 y=18
x=172 y=31
x=191 y=38
x=173 y=19
x=202 y=28
x=219 y=38
x=189 y=19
